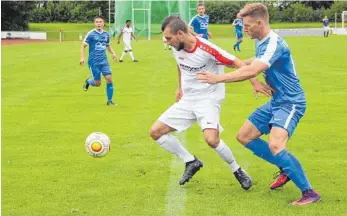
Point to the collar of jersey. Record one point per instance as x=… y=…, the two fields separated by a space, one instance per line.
x=195 y=46
x=202 y=16
x=98 y=31
x=266 y=37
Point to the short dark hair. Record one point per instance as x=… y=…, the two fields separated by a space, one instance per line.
x=199 y=5
x=98 y=17
x=174 y=23
x=127 y=21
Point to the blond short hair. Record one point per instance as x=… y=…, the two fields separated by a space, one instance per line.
x=255 y=10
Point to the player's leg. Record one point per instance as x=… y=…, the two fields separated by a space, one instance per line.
x=95 y=80
x=208 y=115
x=240 y=40
x=125 y=51
x=164 y=45
x=284 y=122
x=131 y=52
x=177 y=118
x=109 y=89
x=256 y=125
x=237 y=42
x=249 y=135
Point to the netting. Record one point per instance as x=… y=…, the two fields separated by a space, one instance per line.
x=147 y=15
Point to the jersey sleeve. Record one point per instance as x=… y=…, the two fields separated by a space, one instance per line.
x=88 y=39
x=272 y=52
x=193 y=23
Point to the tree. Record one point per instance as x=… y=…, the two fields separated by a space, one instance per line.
x=15 y=15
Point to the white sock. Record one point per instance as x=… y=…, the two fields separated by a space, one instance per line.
x=172 y=145
x=131 y=55
x=123 y=54
x=164 y=45
x=225 y=153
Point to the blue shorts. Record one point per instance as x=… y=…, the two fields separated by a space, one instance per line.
x=284 y=116
x=239 y=35
x=96 y=70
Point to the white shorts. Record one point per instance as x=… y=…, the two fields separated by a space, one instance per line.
x=127 y=45
x=183 y=114
x=326 y=28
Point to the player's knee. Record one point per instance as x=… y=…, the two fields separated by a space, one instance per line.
x=274 y=148
x=155 y=133
x=242 y=138
x=212 y=141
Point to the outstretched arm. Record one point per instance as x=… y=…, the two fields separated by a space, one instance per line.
x=119 y=37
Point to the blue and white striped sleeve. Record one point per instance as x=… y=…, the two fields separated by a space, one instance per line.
x=271 y=53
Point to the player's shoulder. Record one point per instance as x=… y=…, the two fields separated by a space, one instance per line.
x=208 y=47
x=91 y=32
x=206 y=16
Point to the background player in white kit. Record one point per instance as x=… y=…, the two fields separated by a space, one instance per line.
x=196 y=102
x=128 y=33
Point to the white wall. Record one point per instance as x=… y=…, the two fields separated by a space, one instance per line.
x=23 y=35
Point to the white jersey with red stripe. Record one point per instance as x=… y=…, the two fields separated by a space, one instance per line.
x=205 y=57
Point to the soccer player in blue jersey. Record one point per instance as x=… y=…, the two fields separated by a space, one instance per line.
x=238 y=31
x=280 y=116
x=98 y=41
x=326 y=26
x=199 y=23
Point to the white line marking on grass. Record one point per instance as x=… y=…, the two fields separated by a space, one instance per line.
x=176 y=194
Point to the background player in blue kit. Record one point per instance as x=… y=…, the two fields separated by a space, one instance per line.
x=280 y=116
x=98 y=41
x=238 y=31
x=199 y=23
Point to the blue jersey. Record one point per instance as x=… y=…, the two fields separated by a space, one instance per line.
x=97 y=41
x=200 y=25
x=325 y=22
x=238 y=25
x=281 y=74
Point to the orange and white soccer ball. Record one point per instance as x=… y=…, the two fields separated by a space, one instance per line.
x=98 y=144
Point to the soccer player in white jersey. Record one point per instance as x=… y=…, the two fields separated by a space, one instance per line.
x=128 y=33
x=195 y=101
x=280 y=116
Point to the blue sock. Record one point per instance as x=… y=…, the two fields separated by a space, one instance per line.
x=236 y=44
x=261 y=148
x=91 y=82
x=109 y=91
x=292 y=167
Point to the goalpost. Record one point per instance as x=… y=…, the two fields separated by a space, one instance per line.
x=147 y=15
x=344 y=19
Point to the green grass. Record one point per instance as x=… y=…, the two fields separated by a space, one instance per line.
x=72 y=30
x=46 y=117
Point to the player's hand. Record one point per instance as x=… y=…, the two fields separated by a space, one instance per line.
x=179 y=94
x=207 y=77
x=209 y=34
x=115 y=58
x=82 y=61
x=262 y=88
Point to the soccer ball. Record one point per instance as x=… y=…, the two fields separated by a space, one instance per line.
x=98 y=144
